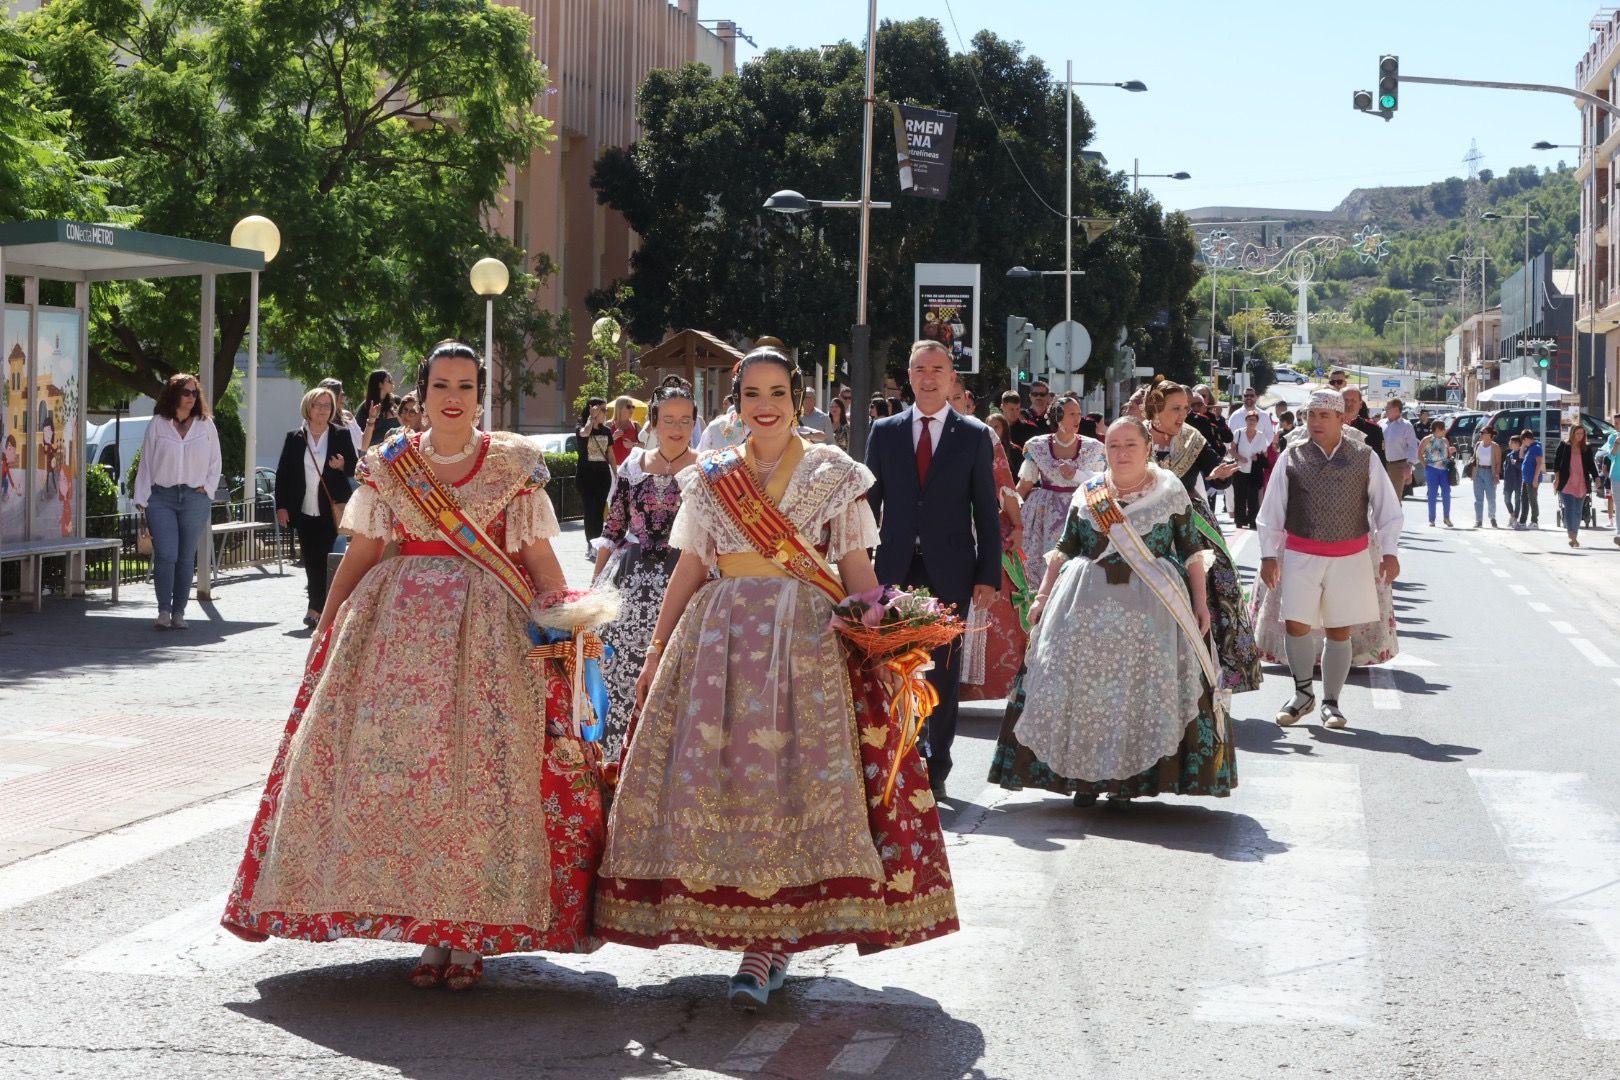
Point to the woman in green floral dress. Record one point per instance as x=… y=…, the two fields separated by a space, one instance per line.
x=1114 y=697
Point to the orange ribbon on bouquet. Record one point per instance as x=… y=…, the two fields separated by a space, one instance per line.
x=912 y=702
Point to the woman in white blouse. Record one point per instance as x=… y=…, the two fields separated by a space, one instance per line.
x=1250 y=446
x=312 y=479
x=174 y=487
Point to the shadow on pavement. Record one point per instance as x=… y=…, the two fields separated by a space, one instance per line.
x=1360 y=738
x=1265 y=737
x=1165 y=821
x=532 y=1018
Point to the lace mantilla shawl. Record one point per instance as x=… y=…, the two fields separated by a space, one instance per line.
x=1185 y=447
x=1167 y=498
x=824 y=499
x=511 y=479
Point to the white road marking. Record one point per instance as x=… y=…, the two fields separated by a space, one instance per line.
x=73 y=864
x=758 y=1046
x=1591 y=652
x=189 y=942
x=1519 y=590
x=14 y=771
x=1240 y=546
x=1384 y=694
x=1564 y=841
x=1499 y=572
x=1483 y=561
x=1407 y=660
x=864 y=1052
x=1562 y=627
x=1539 y=608
x=1291 y=941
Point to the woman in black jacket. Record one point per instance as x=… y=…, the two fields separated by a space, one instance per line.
x=313 y=475
x=1574 y=485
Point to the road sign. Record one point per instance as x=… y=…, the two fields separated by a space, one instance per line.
x=1057 y=347
x=1453 y=395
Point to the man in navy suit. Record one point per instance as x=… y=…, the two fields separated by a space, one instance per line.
x=938 y=519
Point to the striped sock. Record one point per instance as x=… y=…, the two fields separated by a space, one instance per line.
x=757 y=966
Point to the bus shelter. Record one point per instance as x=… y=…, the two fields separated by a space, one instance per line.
x=46 y=355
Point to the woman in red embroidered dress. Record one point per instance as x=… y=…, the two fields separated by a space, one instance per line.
x=429 y=787
x=750 y=815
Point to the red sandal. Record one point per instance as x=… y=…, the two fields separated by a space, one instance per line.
x=464 y=976
x=426 y=976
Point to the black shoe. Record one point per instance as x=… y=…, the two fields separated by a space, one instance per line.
x=1083 y=799
x=939 y=791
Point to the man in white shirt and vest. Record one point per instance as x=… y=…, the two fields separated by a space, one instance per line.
x=1326 y=498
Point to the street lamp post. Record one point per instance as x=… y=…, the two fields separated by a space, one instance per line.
x=1134 y=86
x=489 y=278
x=260 y=234
x=1137 y=174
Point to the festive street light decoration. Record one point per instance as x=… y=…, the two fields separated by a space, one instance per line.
x=489 y=278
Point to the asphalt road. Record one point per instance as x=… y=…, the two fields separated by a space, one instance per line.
x=1429 y=893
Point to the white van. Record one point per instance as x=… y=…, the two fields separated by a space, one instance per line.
x=113 y=444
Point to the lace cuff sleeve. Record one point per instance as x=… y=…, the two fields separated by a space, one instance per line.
x=530 y=517
x=854 y=529
x=1029 y=472
x=689 y=533
x=367 y=515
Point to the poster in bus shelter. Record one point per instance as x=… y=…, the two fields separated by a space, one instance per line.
x=58 y=411
x=14 y=403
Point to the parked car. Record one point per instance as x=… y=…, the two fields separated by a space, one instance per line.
x=1463 y=430
x=1289 y=375
x=1507 y=422
x=555 y=442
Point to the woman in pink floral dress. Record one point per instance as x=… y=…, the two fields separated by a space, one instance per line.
x=429 y=788
x=1054 y=467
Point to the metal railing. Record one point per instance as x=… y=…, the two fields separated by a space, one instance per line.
x=233 y=550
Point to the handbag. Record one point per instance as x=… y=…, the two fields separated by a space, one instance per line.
x=320 y=475
x=1451 y=472
x=143 y=538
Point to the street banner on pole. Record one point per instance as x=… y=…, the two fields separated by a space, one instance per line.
x=947 y=310
x=923 y=139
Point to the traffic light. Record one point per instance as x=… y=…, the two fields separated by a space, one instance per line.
x=1389 y=85
x=1362 y=102
x=1543 y=357
x=1020 y=354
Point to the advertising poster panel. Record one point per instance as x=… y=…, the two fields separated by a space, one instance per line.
x=947 y=310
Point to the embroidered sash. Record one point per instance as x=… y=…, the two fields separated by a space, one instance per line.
x=1106 y=513
x=762 y=523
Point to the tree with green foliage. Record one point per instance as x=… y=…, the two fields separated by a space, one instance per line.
x=374 y=134
x=43 y=171
x=713 y=149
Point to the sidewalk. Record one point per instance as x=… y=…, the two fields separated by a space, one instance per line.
x=105 y=721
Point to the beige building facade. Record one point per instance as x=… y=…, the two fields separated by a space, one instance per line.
x=596 y=53
x=1597 y=287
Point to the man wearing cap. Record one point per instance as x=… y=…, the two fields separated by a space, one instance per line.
x=1327 y=496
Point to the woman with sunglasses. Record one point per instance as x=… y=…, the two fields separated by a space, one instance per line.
x=179 y=470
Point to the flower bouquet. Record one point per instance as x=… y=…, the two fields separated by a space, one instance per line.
x=897 y=632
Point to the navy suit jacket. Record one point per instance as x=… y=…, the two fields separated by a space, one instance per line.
x=954 y=519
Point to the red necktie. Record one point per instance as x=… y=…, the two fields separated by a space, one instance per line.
x=925 y=452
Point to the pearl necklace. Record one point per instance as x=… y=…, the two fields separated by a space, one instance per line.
x=765 y=470
x=1121 y=492
x=1057 y=440
x=448 y=459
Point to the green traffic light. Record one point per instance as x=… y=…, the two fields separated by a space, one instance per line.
x=1387 y=101
x=1543 y=362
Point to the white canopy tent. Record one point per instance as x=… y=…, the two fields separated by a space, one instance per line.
x=1524 y=388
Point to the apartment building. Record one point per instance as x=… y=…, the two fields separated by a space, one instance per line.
x=596 y=52
x=1597 y=285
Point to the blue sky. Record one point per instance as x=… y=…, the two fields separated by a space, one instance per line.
x=1234 y=99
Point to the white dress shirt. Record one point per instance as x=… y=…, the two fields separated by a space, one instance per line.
x=169 y=459
x=936 y=426
x=1383 y=510
x=314 y=457
x=1400 y=440
x=1267 y=426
